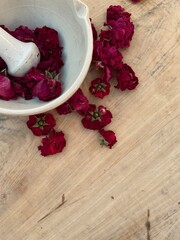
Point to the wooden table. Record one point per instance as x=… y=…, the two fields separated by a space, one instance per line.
x=131 y=192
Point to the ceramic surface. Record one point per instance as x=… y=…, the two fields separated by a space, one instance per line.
x=19 y=57
x=71 y=19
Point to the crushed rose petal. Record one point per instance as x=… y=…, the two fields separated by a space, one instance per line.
x=96 y=117
x=108 y=138
x=126 y=78
x=41 y=124
x=52 y=144
x=99 y=88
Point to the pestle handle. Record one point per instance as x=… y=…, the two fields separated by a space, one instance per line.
x=20 y=57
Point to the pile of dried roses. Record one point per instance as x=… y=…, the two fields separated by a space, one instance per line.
x=41 y=82
x=107 y=58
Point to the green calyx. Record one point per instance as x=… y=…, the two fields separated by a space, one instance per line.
x=52 y=75
x=104 y=142
x=100 y=87
x=41 y=122
x=96 y=115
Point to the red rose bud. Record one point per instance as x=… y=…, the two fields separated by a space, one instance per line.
x=114 y=13
x=108 y=138
x=52 y=144
x=120 y=28
x=96 y=117
x=99 y=88
x=41 y=124
x=126 y=78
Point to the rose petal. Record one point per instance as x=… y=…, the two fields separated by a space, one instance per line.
x=6 y=88
x=108 y=138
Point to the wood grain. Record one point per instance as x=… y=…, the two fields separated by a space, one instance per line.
x=131 y=192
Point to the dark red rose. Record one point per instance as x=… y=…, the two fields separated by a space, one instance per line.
x=52 y=144
x=99 y=88
x=48 y=37
x=96 y=117
x=41 y=124
x=111 y=57
x=50 y=49
x=108 y=138
x=114 y=13
x=126 y=78
x=107 y=55
x=24 y=34
x=64 y=109
x=120 y=28
x=6 y=88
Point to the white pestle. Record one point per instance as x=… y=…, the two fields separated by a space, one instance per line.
x=20 y=57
